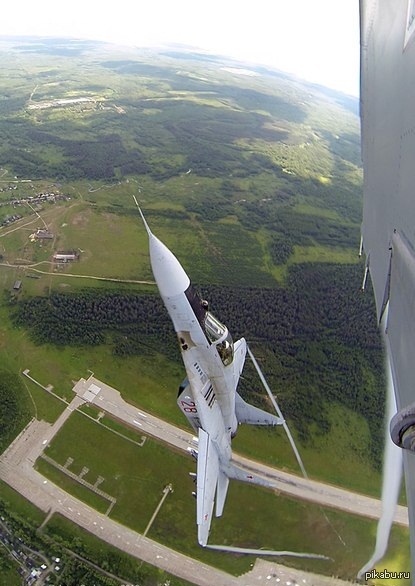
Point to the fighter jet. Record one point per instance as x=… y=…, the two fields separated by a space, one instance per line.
x=208 y=395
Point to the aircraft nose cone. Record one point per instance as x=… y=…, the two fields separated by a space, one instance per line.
x=169 y=274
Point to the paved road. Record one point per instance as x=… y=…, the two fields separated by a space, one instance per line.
x=16 y=468
x=30 y=266
x=109 y=400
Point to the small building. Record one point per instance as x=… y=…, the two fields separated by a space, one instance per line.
x=69 y=256
x=43 y=235
x=17 y=285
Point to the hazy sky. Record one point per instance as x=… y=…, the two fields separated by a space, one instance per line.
x=317 y=40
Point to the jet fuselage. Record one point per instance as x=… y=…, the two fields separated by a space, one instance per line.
x=208 y=397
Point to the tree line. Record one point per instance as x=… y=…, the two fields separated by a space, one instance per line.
x=15 y=409
x=317 y=336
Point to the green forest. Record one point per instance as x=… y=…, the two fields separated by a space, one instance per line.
x=264 y=171
x=318 y=337
x=15 y=407
x=254 y=182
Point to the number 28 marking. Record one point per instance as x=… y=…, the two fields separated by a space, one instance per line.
x=189 y=406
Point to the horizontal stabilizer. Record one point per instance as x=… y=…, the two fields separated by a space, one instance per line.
x=236 y=472
x=207 y=479
x=246 y=413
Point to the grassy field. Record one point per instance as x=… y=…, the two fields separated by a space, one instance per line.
x=324 y=459
x=137 y=479
x=63 y=533
x=108 y=557
x=9 y=569
x=70 y=485
x=45 y=405
x=223 y=166
x=110 y=245
x=134 y=377
x=16 y=502
x=62 y=367
x=319 y=253
x=116 y=246
x=127 y=432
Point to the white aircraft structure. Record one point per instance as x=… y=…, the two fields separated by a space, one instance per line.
x=387 y=107
x=208 y=396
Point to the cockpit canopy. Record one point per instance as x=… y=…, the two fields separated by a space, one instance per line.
x=220 y=337
x=215 y=331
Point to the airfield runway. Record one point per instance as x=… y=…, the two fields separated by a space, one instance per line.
x=109 y=400
x=16 y=469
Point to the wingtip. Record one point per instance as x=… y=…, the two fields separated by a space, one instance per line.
x=142 y=217
x=203 y=534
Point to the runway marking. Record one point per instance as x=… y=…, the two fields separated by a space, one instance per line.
x=309 y=490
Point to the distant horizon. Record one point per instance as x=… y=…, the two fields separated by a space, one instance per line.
x=318 y=42
x=180 y=47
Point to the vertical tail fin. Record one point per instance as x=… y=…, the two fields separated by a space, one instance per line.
x=221 y=492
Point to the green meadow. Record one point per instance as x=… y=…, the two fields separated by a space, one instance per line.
x=254 y=182
x=136 y=476
x=60 y=536
x=134 y=376
x=9 y=569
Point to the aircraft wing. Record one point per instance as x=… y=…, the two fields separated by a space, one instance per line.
x=388 y=150
x=207 y=480
x=239 y=359
x=246 y=413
